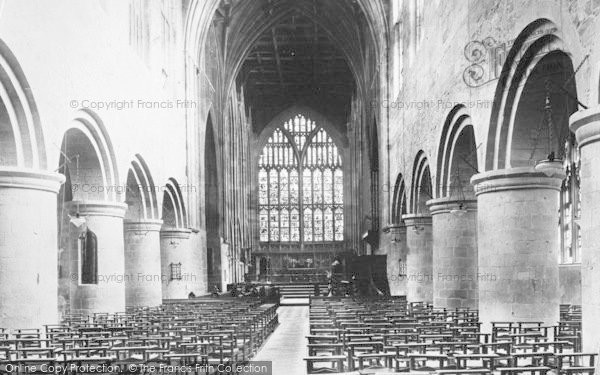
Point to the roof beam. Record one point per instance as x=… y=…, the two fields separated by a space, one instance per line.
x=277 y=58
x=315 y=47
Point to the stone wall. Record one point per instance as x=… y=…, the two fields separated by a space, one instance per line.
x=432 y=77
x=96 y=57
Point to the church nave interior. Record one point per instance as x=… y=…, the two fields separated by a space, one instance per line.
x=300 y=186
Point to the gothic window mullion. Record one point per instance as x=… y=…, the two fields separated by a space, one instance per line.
x=312 y=194
x=300 y=147
x=333 y=205
x=289 y=202
x=280 y=207
x=323 y=198
x=301 y=198
x=269 y=205
x=278 y=168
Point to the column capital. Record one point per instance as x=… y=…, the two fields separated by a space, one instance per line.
x=586 y=125
x=146 y=225
x=546 y=175
x=451 y=204
x=97 y=208
x=394 y=234
x=172 y=232
x=394 y=228
x=23 y=178
x=413 y=220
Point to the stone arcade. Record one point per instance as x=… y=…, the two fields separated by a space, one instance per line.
x=434 y=157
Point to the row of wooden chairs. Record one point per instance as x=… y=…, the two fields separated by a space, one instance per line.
x=191 y=334
x=348 y=334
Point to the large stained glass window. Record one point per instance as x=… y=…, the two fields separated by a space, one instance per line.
x=300 y=185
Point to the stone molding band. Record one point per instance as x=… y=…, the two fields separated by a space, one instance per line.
x=519 y=178
x=450 y=204
x=171 y=232
x=411 y=220
x=97 y=208
x=143 y=226
x=586 y=125
x=23 y=178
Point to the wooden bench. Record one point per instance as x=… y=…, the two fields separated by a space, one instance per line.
x=574 y=363
x=335 y=349
x=383 y=359
x=539 y=358
x=337 y=362
x=475 y=371
x=425 y=357
x=542 y=370
x=488 y=360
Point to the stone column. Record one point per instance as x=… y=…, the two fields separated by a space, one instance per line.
x=454 y=252
x=586 y=126
x=517 y=239
x=175 y=249
x=396 y=251
x=143 y=285
x=419 y=267
x=28 y=248
x=105 y=220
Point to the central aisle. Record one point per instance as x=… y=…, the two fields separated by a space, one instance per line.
x=287 y=345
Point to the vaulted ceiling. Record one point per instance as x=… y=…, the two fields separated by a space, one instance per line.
x=314 y=53
x=295 y=62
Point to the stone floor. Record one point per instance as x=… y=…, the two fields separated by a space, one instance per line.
x=287 y=345
x=294 y=302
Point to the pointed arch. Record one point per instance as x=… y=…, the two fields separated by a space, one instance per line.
x=421 y=186
x=248 y=20
x=140 y=194
x=212 y=179
x=538 y=55
x=373 y=153
x=22 y=140
x=212 y=205
x=399 y=200
x=88 y=160
x=457 y=155
x=374 y=146
x=340 y=139
x=173 y=211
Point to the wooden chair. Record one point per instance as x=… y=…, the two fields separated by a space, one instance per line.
x=523 y=370
x=337 y=362
x=576 y=363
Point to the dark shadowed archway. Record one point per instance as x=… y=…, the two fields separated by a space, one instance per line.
x=211 y=208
